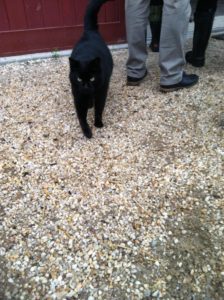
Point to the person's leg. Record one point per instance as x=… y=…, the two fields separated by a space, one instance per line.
x=203 y=18
x=176 y=14
x=136 y=13
x=203 y=5
x=155 y=22
x=175 y=20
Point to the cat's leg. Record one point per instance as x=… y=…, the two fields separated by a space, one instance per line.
x=100 y=100
x=82 y=110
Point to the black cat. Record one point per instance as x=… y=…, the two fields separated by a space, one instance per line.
x=91 y=66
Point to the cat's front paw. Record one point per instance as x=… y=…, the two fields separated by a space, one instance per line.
x=88 y=133
x=98 y=123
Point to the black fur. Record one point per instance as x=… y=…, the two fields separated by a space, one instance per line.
x=91 y=67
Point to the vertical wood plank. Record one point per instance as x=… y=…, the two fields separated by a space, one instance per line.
x=68 y=12
x=4 y=22
x=112 y=12
x=16 y=14
x=102 y=14
x=80 y=8
x=51 y=13
x=34 y=13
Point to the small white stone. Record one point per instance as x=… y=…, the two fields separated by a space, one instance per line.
x=205 y=269
x=69 y=275
x=70 y=244
x=157 y=263
x=2 y=251
x=33 y=268
x=156 y=294
x=169 y=277
x=26 y=258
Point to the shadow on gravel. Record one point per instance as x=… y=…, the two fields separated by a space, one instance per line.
x=194 y=256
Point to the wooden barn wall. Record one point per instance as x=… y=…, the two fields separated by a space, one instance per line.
x=28 y=26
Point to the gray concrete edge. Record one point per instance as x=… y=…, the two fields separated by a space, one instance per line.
x=45 y=55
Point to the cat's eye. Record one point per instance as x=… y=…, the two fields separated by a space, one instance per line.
x=79 y=79
x=92 y=79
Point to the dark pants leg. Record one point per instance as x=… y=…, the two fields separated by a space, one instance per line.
x=155 y=21
x=203 y=18
x=203 y=5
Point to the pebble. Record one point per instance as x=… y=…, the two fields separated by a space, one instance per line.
x=156 y=294
x=147 y=293
x=169 y=277
x=2 y=251
x=157 y=263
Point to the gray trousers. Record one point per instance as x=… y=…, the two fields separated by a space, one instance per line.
x=176 y=14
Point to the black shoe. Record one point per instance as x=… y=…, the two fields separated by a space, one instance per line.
x=186 y=82
x=197 y=62
x=133 y=81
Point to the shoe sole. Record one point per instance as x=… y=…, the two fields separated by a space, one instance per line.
x=166 y=90
x=136 y=83
x=197 y=65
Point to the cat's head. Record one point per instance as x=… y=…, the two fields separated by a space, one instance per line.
x=85 y=75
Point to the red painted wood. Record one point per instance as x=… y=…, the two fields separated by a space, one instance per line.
x=4 y=23
x=51 y=13
x=16 y=14
x=80 y=7
x=68 y=12
x=34 y=13
x=112 y=14
x=31 y=26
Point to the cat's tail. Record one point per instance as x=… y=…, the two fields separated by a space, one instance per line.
x=90 y=19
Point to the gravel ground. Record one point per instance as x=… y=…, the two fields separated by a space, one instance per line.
x=136 y=212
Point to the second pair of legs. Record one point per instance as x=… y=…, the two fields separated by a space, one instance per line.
x=203 y=21
x=175 y=23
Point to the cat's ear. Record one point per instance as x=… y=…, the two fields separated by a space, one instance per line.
x=74 y=64
x=95 y=64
